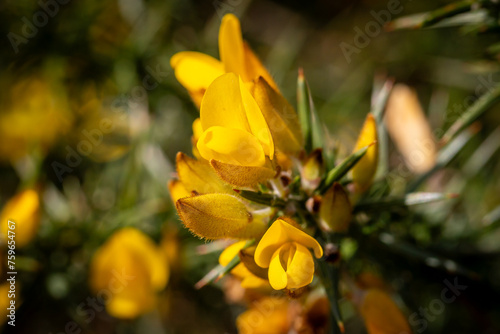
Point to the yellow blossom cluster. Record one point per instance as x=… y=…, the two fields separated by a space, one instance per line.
x=249 y=151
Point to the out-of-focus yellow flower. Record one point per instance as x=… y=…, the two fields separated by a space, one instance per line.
x=248 y=280
x=382 y=315
x=34 y=115
x=284 y=250
x=131 y=269
x=335 y=212
x=268 y=315
x=24 y=210
x=196 y=71
x=364 y=171
x=217 y=216
x=410 y=130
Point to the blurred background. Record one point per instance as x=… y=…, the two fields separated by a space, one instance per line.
x=92 y=117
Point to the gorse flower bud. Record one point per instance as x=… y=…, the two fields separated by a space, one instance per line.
x=216 y=216
x=335 y=212
x=312 y=171
x=364 y=171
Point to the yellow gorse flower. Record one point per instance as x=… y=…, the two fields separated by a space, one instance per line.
x=284 y=249
x=253 y=164
x=196 y=71
x=240 y=133
x=244 y=120
x=234 y=129
x=24 y=210
x=130 y=269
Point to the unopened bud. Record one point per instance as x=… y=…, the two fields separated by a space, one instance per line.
x=335 y=212
x=312 y=170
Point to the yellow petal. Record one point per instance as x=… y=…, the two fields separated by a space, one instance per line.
x=222 y=104
x=231 y=46
x=197 y=132
x=177 y=190
x=196 y=71
x=229 y=104
x=242 y=176
x=247 y=259
x=335 y=212
x=280 y=116
x=249 y=280
x=364 y=171
x=278 y=234
x=216 y=216
x=277 y=275
x=230 y=252
x=409 y=129
x=231 y=146
x=24 y=210
x=382 y=315
x=199 y=176
x=257 y=122
x=300 y=269
x=255 y=69
x=197 y=129
x=237 y=55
